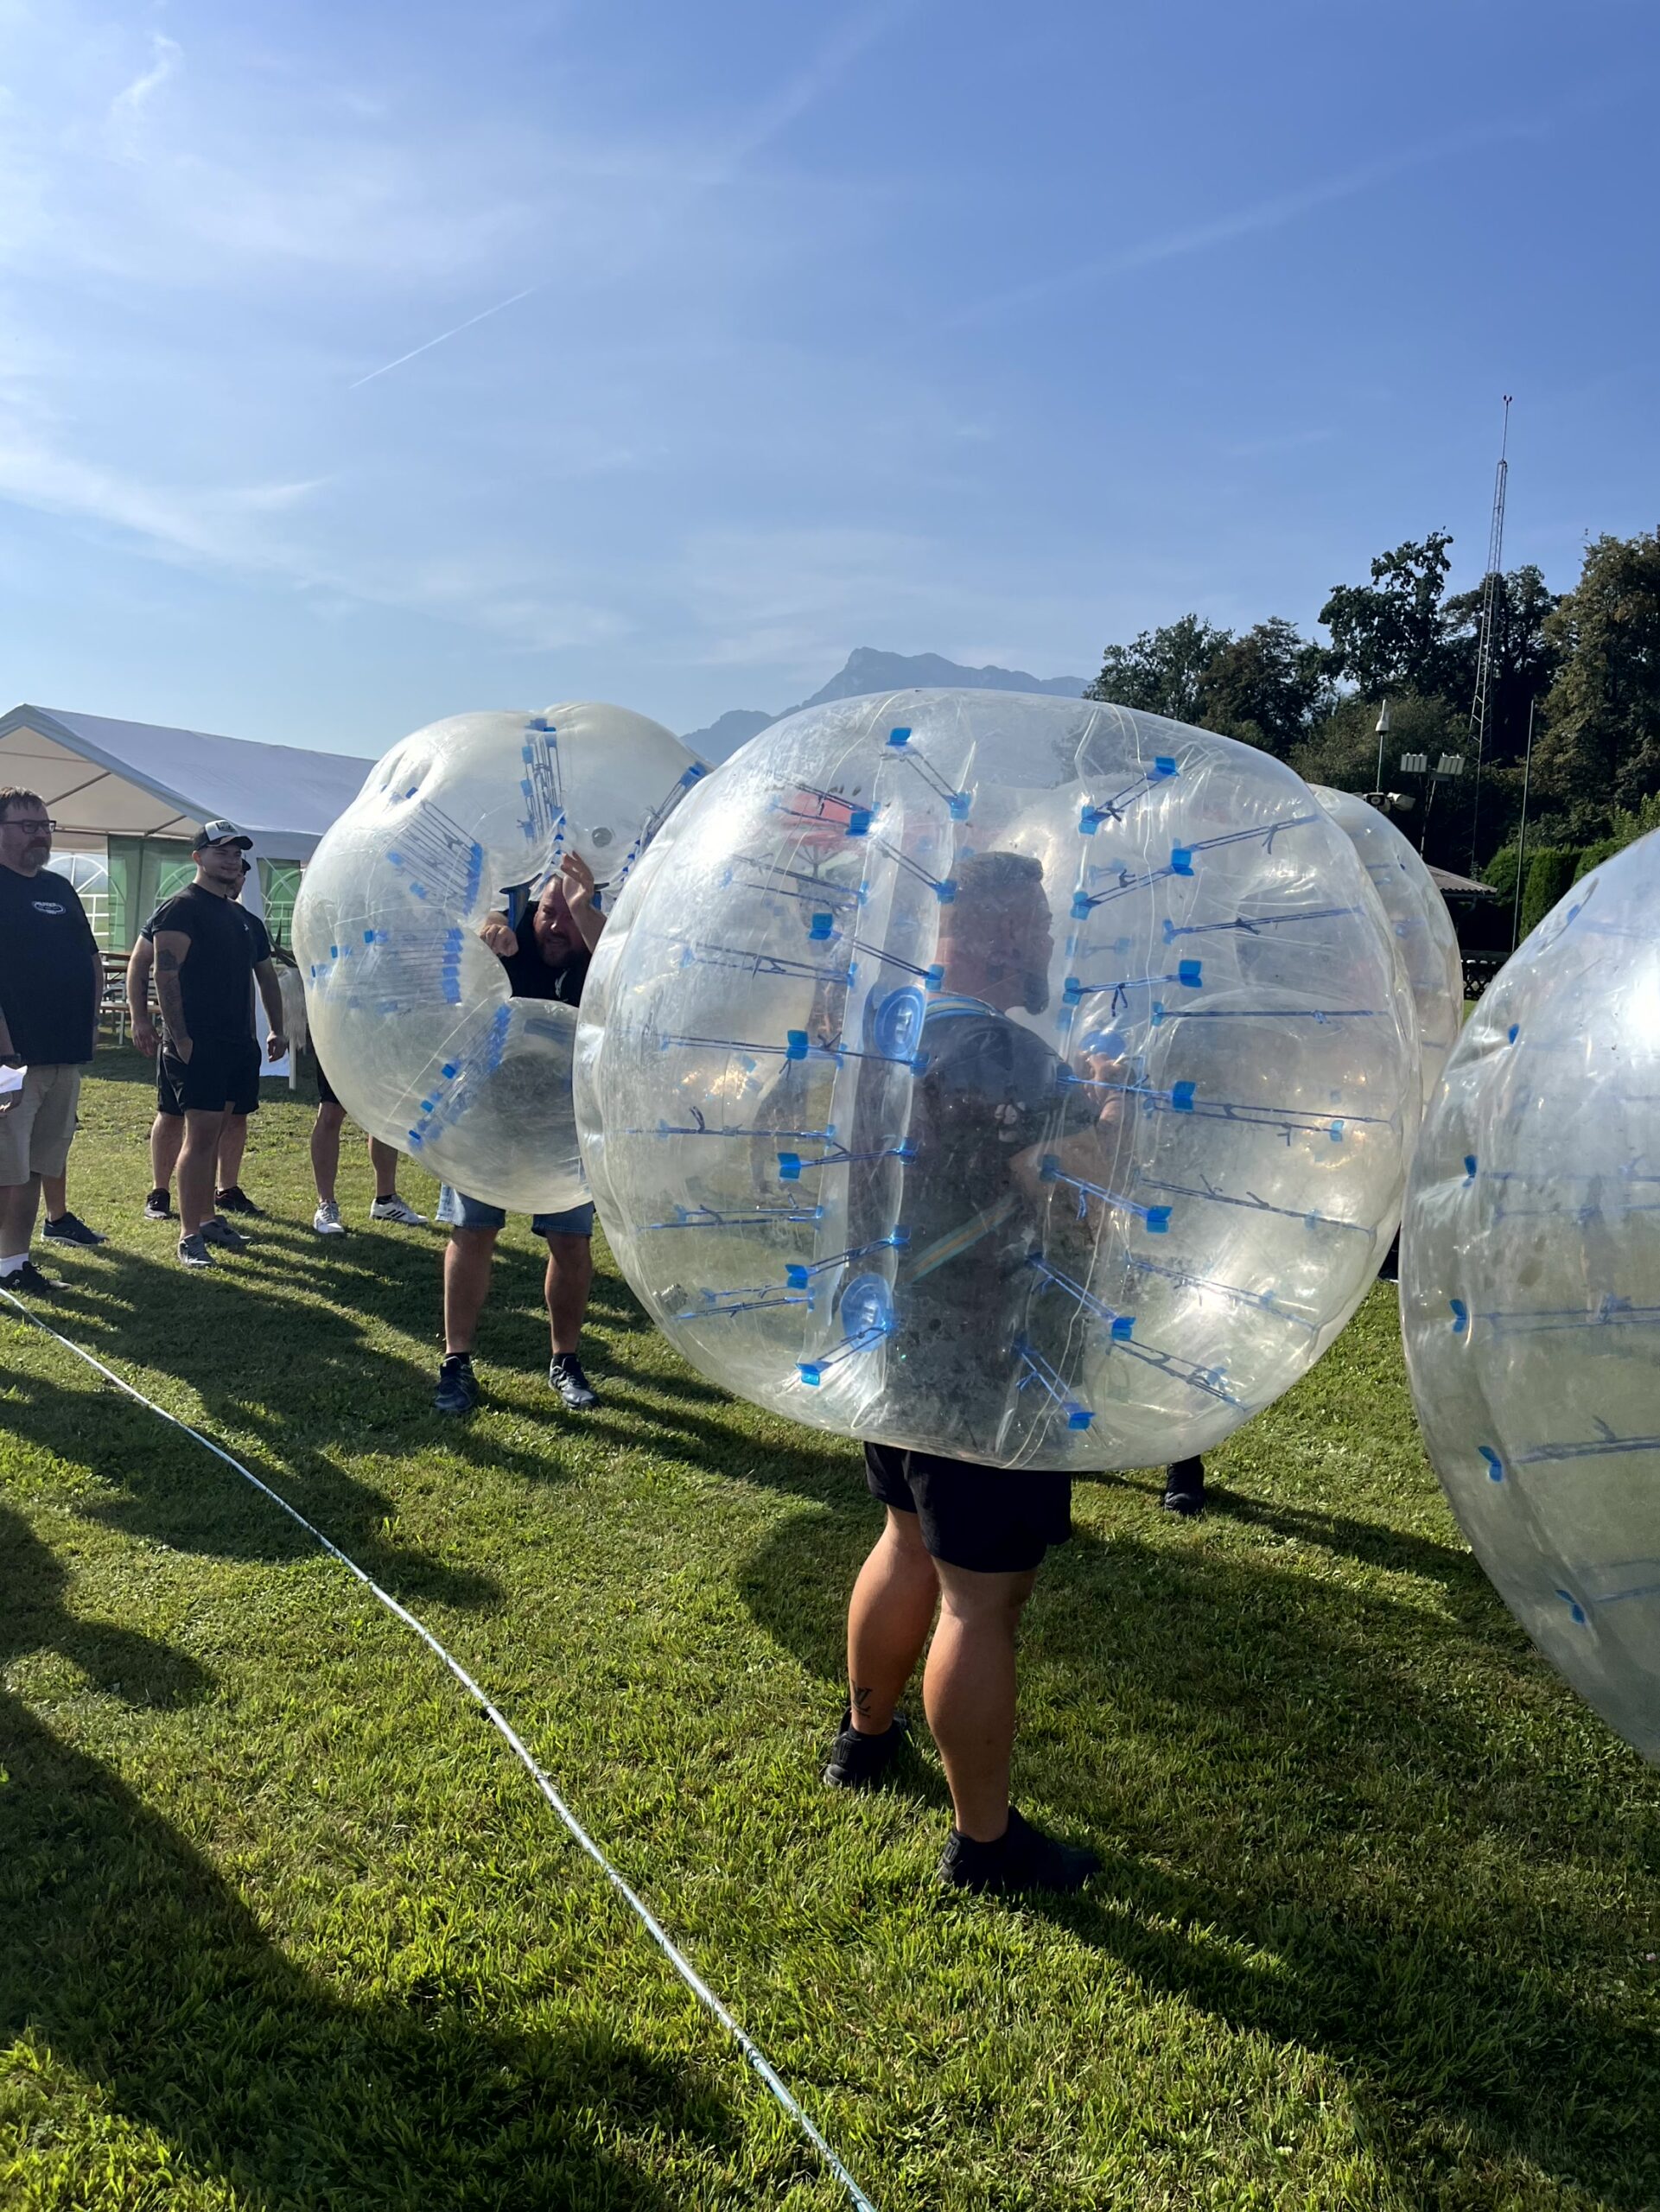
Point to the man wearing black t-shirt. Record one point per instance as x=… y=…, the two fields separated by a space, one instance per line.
x=166 y=1130
x=50 y=981
x=965 y=1537
x=545 y=957
x=204 y=962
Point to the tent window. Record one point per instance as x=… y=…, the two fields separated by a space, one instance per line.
x=279 y=884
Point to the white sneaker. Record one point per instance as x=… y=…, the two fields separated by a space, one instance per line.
x=397 y=1210
x=326 y=1220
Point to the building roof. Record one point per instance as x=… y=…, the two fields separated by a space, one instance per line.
x=1447 y=882
x=101 y=777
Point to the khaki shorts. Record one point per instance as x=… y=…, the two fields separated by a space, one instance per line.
x=37 y=1124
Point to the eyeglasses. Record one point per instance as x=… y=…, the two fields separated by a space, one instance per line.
x=20 y=821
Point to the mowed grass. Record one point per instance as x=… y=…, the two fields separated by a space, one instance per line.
x=281 y=1923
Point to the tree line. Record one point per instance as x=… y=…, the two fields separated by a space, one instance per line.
x=1584 y=664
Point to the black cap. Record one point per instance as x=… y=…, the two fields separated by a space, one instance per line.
x=220 y=833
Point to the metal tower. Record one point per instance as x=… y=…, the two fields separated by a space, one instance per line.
x=1492 y=586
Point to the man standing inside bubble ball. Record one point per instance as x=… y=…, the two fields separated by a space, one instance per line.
x=546 y=957
x=959 y=1536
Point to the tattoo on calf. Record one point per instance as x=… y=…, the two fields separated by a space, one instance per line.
x=861 y=1699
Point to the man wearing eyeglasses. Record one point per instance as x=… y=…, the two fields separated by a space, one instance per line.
x=50 y=981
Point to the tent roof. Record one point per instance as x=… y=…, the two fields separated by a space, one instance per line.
x=101 y=778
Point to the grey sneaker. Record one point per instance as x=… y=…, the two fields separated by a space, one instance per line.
x=566 y=1376
x=399 y=1210
x=326 y=1220
x=215 y=1231
x=194 y=1252
x=158 y=1206
x=70 y=1229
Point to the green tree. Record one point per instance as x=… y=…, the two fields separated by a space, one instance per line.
x=1524 y=656
x=1600 y=749
x=1162 y=671
x=1265 y=688
x=1391 y=635
x=1550 y=872
x=1501 y=871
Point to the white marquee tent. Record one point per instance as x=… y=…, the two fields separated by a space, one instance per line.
x=126 y=795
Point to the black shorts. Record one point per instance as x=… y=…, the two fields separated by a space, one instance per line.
x=219 y=1072
x=325 y=1089
x=990 y=1520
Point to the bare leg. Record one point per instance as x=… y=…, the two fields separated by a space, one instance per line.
x=166 y=1137
x=197 y=1162
x=18 y=1202
x=570 y=1278
x=54 y=1189
x=467 y=1284
x=232 y=1143
x=384 y=1160
x=326 y=1149
x=968 y=1691
x=888 y=1619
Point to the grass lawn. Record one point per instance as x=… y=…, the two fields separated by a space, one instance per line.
x=281 y=1923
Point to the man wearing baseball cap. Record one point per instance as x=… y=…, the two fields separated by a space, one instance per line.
x=205 y=956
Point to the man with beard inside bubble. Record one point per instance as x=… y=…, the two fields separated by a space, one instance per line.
x=965 y=1537
x=545 y=957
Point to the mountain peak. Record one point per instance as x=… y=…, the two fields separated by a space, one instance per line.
x=869 y=669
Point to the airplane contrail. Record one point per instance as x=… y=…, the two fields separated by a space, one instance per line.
x=482 y=317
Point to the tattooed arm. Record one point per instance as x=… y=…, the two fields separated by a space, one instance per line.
x=138 y=969
x=172 y=951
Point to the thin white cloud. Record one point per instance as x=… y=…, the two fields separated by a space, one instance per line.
x=769 y=121
x=233 y=528
x=166 y=56
x=823 y=72
x=427 y=344
x=1263 y=215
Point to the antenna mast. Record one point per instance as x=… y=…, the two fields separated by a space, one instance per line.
x=1492 y=588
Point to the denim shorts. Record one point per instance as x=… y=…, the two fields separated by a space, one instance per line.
x=456 y=1211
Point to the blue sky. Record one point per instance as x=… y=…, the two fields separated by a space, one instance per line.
x=999 y=332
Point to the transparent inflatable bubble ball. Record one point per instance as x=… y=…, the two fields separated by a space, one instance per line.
x=414 y=1019
x=1020 y=1078
x=1418 y=918
x=1531 y=1288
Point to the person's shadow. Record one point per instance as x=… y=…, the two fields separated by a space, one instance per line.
x=125 y=1958
x=314 y=1387
x=1291 y=1780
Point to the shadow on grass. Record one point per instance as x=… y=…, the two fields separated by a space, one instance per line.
x=126 y=1957
x=117 y=1659
x=302 y=1379
x=1285 y=1762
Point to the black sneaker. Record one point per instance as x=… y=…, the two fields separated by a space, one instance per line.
x=215 y=1231
x=458 y=1387
x=194 y=1252
x=1184 y=1487
x=566 y=1376
x=236 y=1200
x=1022 y=1859
x=158 y=1206
x=30 y=1280
x=859 y=1761
x=70 y=1229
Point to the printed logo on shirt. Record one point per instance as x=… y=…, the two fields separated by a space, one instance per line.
x=50 y=906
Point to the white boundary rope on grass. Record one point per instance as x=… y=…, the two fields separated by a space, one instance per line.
x=653 y=1927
